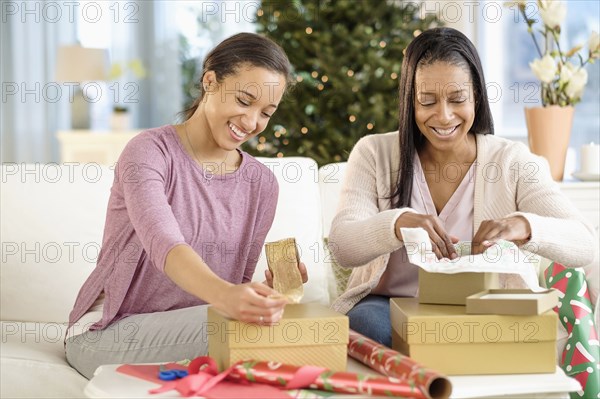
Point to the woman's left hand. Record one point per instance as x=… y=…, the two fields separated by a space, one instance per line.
x=301 y=267
x=514 y=228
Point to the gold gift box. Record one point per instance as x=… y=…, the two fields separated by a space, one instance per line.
x=453 y=289
x=513 y=302
x=307 y=334
x=447 y=339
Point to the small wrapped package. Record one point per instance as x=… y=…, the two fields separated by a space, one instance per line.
x=308 y=334
x=447 y=339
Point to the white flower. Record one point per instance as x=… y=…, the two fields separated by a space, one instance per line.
x=574 y=89
x=553 y=12
x=566 y=73
x=594 y=43
x=544 y=69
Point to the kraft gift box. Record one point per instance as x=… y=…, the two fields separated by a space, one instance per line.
x=512 y=302
x=453 y=289
x=447 y=339
x=307 y=334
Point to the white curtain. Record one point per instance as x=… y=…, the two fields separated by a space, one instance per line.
x=34 y=105
x=155 y=39
x=32 y=110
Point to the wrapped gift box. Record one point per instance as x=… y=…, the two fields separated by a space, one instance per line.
x=308 y=334
x=447 y=339
x=453 y=289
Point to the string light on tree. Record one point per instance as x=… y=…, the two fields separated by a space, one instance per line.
x=341 y=64
x=280 y=155
x=260 y=12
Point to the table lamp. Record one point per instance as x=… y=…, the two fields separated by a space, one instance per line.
x=80 y=64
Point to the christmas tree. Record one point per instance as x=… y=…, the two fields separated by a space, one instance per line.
x=346 y=57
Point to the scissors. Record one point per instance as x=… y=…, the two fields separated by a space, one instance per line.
x=170 y=375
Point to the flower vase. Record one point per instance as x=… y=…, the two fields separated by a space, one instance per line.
x=549 y=130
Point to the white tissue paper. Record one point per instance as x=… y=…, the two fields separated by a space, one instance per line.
x=502 y=257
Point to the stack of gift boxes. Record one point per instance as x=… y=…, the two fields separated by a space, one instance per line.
x=462 y=325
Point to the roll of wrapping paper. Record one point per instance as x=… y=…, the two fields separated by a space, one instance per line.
x=394 y=364
x=279 y=374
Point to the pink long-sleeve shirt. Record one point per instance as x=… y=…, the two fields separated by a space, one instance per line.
x=162 y=198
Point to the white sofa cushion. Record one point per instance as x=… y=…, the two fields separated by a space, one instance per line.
x=33 y=363
x=299 y=215
x=52 y=222
x=330 y=187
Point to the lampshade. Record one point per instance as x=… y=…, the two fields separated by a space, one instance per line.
x=79 y=64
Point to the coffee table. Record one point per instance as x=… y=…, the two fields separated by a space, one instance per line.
x=108 y=383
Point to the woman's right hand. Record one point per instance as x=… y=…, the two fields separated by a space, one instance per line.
x=442 y=242
x=251 y=303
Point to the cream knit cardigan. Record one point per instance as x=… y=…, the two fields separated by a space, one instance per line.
x=509 y=180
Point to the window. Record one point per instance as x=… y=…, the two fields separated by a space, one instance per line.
x=202 y=25
x=506 y=48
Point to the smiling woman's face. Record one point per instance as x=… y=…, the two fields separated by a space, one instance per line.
x=241 y=105
x=444 y=103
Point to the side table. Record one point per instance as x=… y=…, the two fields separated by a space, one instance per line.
x=101 y=147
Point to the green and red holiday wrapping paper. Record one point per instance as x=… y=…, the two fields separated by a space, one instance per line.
x=581 y=356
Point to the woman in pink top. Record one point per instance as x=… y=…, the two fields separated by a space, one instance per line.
x=187 y=218
x=443 y=171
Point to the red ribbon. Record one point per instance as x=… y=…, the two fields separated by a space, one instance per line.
x=203 y=375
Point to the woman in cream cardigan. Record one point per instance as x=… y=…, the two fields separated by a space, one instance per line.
x=446 y=172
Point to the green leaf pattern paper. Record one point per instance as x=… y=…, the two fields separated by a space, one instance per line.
x=581 y=356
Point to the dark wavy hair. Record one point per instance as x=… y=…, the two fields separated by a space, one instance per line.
x=434 y=45
x=237 y=50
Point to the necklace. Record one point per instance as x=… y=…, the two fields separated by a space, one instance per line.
x=208 y=174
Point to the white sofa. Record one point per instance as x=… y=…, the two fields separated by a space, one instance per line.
x=51 y=230
x=52 y=219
